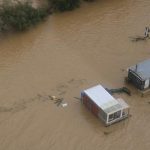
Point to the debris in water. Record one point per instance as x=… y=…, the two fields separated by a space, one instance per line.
x=64 y=104
x=54 y=98
x=142 y=38
x=77 y=98
x=138 y=38
x=119 y=90
x=106 y=132
x=58 y=101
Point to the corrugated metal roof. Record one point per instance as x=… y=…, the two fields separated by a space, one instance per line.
x=142 y=69
x=101 y=97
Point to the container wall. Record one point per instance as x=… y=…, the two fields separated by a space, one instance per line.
x=133 y=78
x=87 y=102
x=117 y=116
x=103 y=115
x=93 y=107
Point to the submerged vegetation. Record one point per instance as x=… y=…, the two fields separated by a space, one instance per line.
x=64 y=5
x=22 y=15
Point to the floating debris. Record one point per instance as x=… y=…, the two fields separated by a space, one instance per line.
x=141 y=38
x=138 y=38
x=106 y=133
x=64 y=104
x=119 y=90
x=58 y=101
x=52 y=97
x=77 y=98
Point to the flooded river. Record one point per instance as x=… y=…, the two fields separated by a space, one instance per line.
x=67 y=53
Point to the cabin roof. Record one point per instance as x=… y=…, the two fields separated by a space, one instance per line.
x=142 y=69
x=103 y=99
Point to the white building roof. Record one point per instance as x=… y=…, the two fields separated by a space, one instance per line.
x=142 y=69
x=103 y=99
x=123 y=103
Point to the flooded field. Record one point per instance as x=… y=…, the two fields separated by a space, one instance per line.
x=67 y=53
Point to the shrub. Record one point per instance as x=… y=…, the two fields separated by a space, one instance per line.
x=64 y=5
x=89 y=0
x=20 y=16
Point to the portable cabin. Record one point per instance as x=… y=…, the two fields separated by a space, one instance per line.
x=103 y=105
x=139 y=75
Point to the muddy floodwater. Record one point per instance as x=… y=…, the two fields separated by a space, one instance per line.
x=67 y=53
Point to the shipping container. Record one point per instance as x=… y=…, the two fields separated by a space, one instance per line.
x=103 y=105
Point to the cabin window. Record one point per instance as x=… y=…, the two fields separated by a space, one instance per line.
x=114 y=116
x=111 y=117
x=117 y=114
x=125 y=112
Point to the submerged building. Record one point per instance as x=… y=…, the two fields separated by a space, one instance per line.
x=139 y=75
x=104 y=106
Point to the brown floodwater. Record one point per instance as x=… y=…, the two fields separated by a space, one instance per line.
x=65 y=54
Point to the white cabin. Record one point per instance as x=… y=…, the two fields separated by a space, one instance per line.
x=103 y=105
